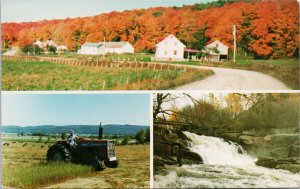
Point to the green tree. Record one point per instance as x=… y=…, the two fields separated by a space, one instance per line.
x=148 y=135
x=33 y=49
x=40 y=139
x=64 y=135
x=125 y=140
x=52 y=49
x=200 y=39
x=140 y=136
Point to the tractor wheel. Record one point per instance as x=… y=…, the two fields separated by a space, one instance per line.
x=97 y=165
x=58 y=152
x=112 y=164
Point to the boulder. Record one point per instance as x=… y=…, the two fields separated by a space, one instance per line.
x=191 y=158
x=268 y=138
x=231 y=136
x=290 y=164
x=246 y=139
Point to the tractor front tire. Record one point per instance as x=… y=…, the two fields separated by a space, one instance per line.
x=112 y=164
x=58 y=152
x=97 y=165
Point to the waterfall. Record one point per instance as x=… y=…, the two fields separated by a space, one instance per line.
x=216 y=151
x=226 y=165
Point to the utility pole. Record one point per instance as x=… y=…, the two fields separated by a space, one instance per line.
x=234 y=41
x=104 y=46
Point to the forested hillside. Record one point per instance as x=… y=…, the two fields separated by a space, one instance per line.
x=265 y=29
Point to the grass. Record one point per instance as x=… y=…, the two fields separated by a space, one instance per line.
x=26 y=167
x=53 y=76
x=285 y=70
x=143 y=57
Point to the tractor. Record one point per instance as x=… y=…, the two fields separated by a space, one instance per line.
x=99 y=153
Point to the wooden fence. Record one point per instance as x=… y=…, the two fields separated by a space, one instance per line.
x=100 y=63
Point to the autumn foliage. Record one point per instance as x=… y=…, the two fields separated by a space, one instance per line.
x=268 y=29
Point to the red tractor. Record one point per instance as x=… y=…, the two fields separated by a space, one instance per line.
x=96 y=152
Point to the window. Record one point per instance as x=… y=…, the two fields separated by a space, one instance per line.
x=175 y=43
x=175 y=52
x=166 y=43
x=166 y=52
x=217 y=45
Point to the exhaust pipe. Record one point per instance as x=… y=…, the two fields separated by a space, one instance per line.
x=100 y=131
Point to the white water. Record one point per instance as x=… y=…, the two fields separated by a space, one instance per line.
x=226 y=164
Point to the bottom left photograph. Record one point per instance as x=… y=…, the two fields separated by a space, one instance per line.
x=75 y=140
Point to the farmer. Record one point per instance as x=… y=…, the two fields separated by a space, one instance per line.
x=72 y=138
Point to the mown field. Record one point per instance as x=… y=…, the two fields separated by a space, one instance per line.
x=24 y=166
x=143 y=57
x=285 y=70
x=54 y=76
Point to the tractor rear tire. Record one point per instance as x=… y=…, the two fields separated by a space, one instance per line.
x=58 y=152
x=112 y=164
x=97 y=165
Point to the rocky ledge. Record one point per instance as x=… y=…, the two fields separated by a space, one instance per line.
x=290 y=164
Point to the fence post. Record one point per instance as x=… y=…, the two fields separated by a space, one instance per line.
x=103 y=86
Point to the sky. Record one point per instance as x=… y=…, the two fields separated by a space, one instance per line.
x=69 y=109
x=34 y=10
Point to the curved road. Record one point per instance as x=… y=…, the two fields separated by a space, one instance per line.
x=235 y=79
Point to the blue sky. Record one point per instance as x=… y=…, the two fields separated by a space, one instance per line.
x=65 y=109
x=34 y=10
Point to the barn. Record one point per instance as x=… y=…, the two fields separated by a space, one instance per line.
x=170 y=49
x=216 y=51
x=106 y=47
x=91 y=48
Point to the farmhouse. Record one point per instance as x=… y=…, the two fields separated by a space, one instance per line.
x=106 y=47
x=216 y=51
x=169 y=49
x=48 y=43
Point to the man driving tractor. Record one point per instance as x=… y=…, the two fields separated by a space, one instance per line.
x=72 y=138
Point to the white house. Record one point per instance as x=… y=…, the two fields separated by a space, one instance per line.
x=170 y=49
x=91 y=48
x=216 y=51
x=106 y=47
x=61 y=49
x=48 y=43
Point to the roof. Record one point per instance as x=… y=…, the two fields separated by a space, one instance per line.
x=191 y=50
x=92 y=44
x=216 y=41
x=106 y=44
x=170 y=36
x=114 y=44
x=222 y=48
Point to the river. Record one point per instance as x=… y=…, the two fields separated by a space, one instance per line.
x=226 y=165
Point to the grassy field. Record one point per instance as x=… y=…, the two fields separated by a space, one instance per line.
x=53 y=76
x=285 y=70
x=143 y=57
x=26 y=167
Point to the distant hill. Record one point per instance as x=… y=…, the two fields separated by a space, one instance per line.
x=111 y=129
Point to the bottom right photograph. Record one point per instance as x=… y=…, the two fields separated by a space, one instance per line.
x=226 y=140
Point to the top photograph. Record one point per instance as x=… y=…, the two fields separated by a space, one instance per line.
x=94 y=45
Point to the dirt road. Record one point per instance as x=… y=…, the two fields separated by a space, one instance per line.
x=234 y=79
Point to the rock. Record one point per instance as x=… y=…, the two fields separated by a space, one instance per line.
x=191 y=158
x=268 y=138
x=258 y=141
x=245 y=139
x=290 y=164
x=280 y=152
x=294 y=151
x=231 y=136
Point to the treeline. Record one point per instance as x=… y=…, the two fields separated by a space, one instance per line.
x=265 y=29
x=255 y=112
